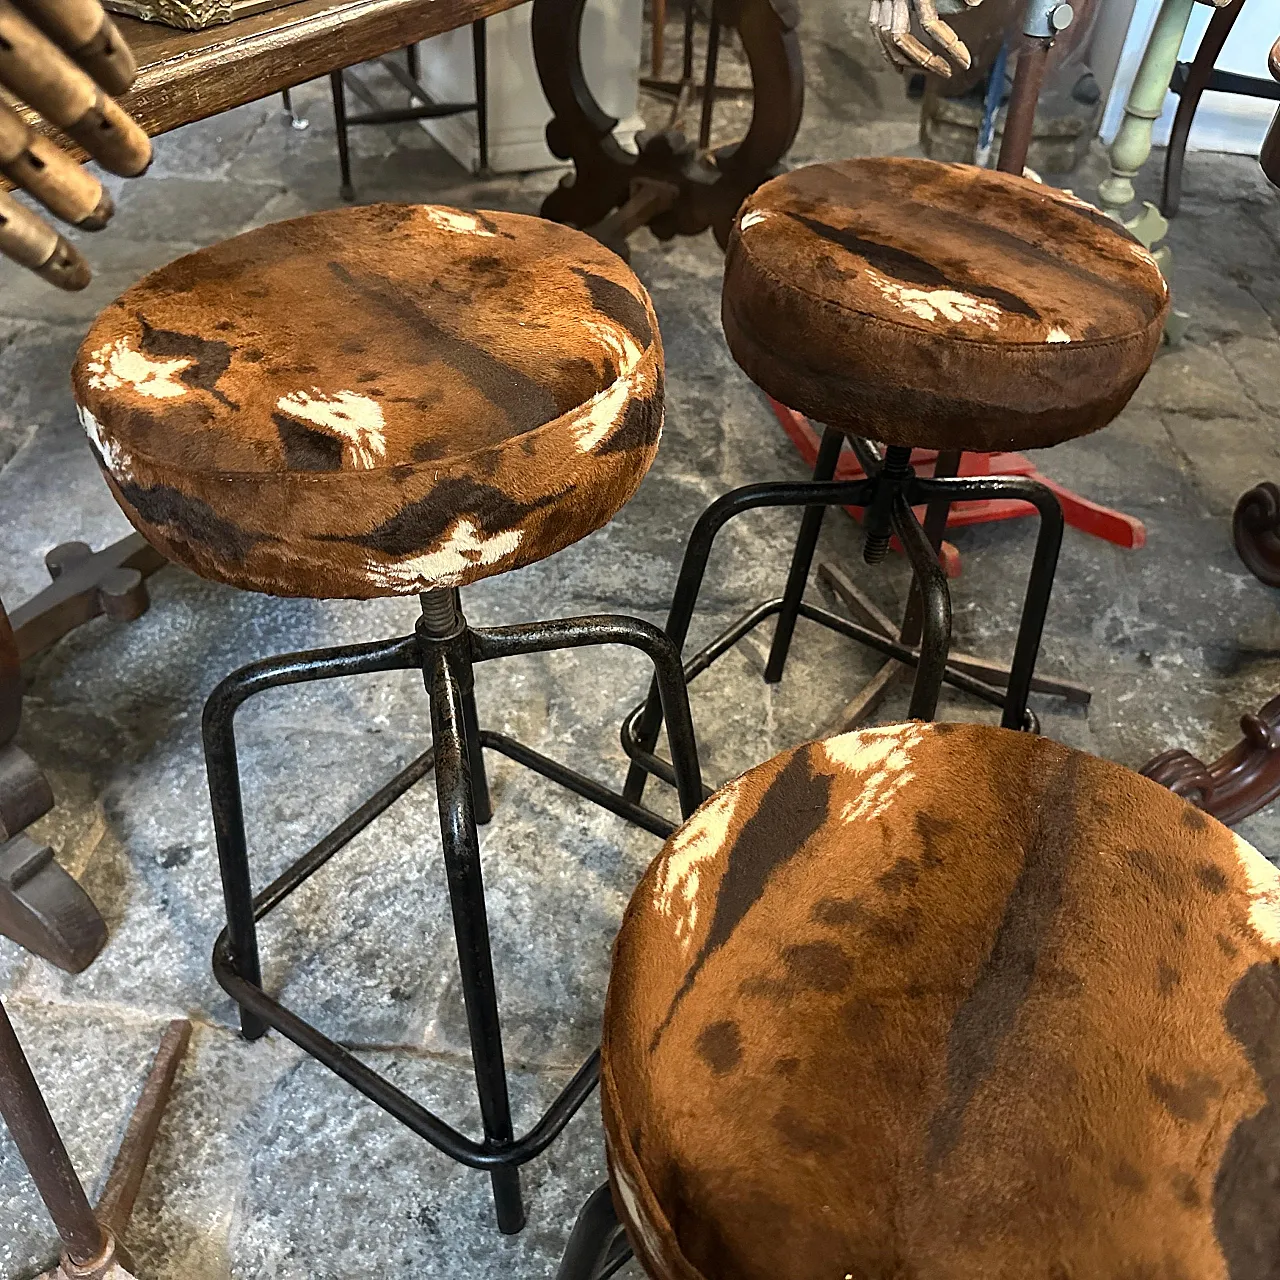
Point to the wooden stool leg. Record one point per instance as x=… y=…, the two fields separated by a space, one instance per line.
x=659 y=37
x=1198 y=78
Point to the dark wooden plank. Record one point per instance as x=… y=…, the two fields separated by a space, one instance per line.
x=189 y=75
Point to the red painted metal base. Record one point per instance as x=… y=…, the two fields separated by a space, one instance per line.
x=1080 y=513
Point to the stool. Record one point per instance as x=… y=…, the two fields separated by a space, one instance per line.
x=384 y=401
x=947 y=1002
x=930 y=305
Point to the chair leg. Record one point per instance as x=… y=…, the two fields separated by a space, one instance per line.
x=598 y=1245
x=1198 y=77
x=454 y=790
x=339 y=89
x=480 y=54
x=824 y=468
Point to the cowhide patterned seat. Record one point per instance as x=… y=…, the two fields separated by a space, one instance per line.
x=387 y=401
x=950 y=1003
x=922 y=306
x=375 y=401
x=939 y=305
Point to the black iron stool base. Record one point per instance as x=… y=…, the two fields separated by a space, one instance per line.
x=888 y=495
x=444 y=648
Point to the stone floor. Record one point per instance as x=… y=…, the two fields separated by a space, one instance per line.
x=269 y=1167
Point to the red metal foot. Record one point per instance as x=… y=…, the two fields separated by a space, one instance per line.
x=1080 y=513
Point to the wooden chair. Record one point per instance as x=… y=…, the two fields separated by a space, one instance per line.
x=1190 y=80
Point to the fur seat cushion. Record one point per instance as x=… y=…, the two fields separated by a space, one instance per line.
x=950 y=1003
x=939 y=305
x=376 y=401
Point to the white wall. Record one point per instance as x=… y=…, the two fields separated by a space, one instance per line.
x=1224 y=122
x=518 y=111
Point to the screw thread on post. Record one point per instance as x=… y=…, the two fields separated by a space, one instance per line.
x=439 y=610
x=895 y=471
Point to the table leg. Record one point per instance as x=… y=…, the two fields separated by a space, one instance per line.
x=710 y=187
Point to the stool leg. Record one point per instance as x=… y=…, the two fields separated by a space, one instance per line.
x=480 y=57
x=233 y=851
x=598 y=1245
x=454 y=789
x=935 y=610
x=481 y=801
x=831 y=493
x=1035 y=606
x=339 y=90
x=1044 y=564
x=824 y=468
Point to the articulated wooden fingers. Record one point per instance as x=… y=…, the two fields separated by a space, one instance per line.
x=82 y=28
x=39 y=73
x=891 y=20
x=942 y=34
x=38 y=165
x=31 y=242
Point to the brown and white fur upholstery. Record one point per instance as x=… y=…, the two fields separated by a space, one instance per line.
x=939 y=305
x=376 y=401
x=945 y=1002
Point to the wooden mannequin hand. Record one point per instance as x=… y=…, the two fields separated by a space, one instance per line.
x=892 y=20
x=63 y=58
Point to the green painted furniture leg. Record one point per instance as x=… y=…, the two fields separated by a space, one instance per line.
x=1131 y=147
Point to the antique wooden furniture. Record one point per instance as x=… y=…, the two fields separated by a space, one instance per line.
x=193 y=14
x=1247 y=777
x=189 y=75
x=670 y=184
x=439 y=448
x=942 y=1000
x=1131 y=147
x=1001 y=313
x=1190 y=80
x=1270 y=155
x=42 y=908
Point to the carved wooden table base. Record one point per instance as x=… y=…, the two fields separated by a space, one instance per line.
x=1246 y=778
x=42 y=908
x=671 y=185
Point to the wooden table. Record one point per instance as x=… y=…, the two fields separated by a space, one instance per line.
x=185 y=76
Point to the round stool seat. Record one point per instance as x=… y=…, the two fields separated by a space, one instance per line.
x=945 y=1002
x=939 y=305
x=376 y=401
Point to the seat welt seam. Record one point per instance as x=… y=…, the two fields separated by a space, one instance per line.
x=871 y=317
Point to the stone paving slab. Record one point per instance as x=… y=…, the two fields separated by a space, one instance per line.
x=269 y=1167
